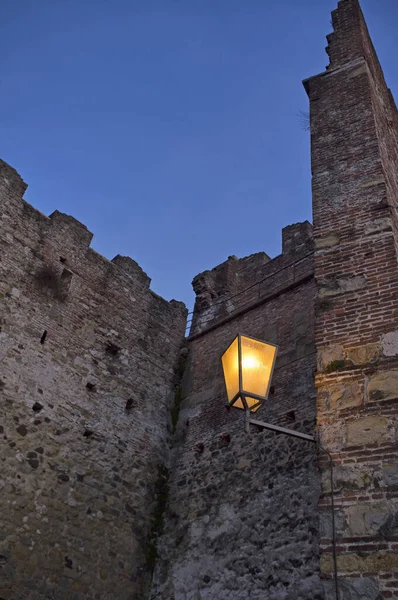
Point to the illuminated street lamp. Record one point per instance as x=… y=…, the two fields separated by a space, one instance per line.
x=248 y=365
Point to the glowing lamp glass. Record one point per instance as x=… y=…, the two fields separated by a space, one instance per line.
x=248 y=365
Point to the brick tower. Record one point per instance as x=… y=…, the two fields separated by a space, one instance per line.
x=354 y=139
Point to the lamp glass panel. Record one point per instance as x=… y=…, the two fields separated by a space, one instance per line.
x=238 y=403
x=252 y=402
x=230 y=364
x=257 y=362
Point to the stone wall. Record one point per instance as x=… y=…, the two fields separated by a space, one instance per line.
x=88 y=358
x=237 y=284
x=354 y=137
x=241 y=520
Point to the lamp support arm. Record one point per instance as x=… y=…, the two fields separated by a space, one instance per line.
x=247 y=420
x=291 y=432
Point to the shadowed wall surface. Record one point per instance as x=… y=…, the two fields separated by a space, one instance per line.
x=81 y=338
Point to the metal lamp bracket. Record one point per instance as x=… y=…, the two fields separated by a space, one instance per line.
x=291 y=432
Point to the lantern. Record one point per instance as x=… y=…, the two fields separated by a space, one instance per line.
x=248 y=365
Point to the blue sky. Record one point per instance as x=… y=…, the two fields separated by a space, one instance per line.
x=169 y=127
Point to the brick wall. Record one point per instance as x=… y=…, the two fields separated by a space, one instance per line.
x=81 y=339
x=355 y=193
x=242 y=511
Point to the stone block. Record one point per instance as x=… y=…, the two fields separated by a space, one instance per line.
x=390 y=474
x=377 y=226
x=383 y=386
x=352 y=589
x=342 y=285
x=367 y=430
x=333 y=435
x=325 y=523
x=342 y=395
x=355 y=478
x=367 y=519
x=328 y=354
x=327 y=241
x=389 y=343
x=363 y=354
x=366 y=563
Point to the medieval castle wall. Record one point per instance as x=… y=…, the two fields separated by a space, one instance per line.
x=242 y=512
x=111 y=470
x=228 y=523
x=81 y=338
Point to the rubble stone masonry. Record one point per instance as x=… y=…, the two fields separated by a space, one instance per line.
x=242 y=513
x=87 y=369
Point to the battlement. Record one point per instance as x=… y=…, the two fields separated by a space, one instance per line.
x=350 y=34
x=61 y=241
x=11 y=182
x=350 y=47
x=237 y=284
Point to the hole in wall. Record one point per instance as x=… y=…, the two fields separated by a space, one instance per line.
x=272 y=389
x=199 y=448
x=43 y=337
x=88 y=433
x=290 y=416
x=224 y=440
x=112 y=349
x=90 y=386
x=62 y=259
x=129 y=404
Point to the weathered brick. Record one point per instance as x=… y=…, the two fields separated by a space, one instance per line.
x=354 y=139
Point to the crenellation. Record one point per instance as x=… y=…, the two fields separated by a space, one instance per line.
x=345 y=44
x=132 y=270
x=294 y=237
x=237 y=284
x=13 y=186
x=65 y=227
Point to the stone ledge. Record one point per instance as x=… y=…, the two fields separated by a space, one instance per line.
x=374 y=562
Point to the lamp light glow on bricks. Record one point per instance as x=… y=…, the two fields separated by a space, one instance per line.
x=248 y=365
